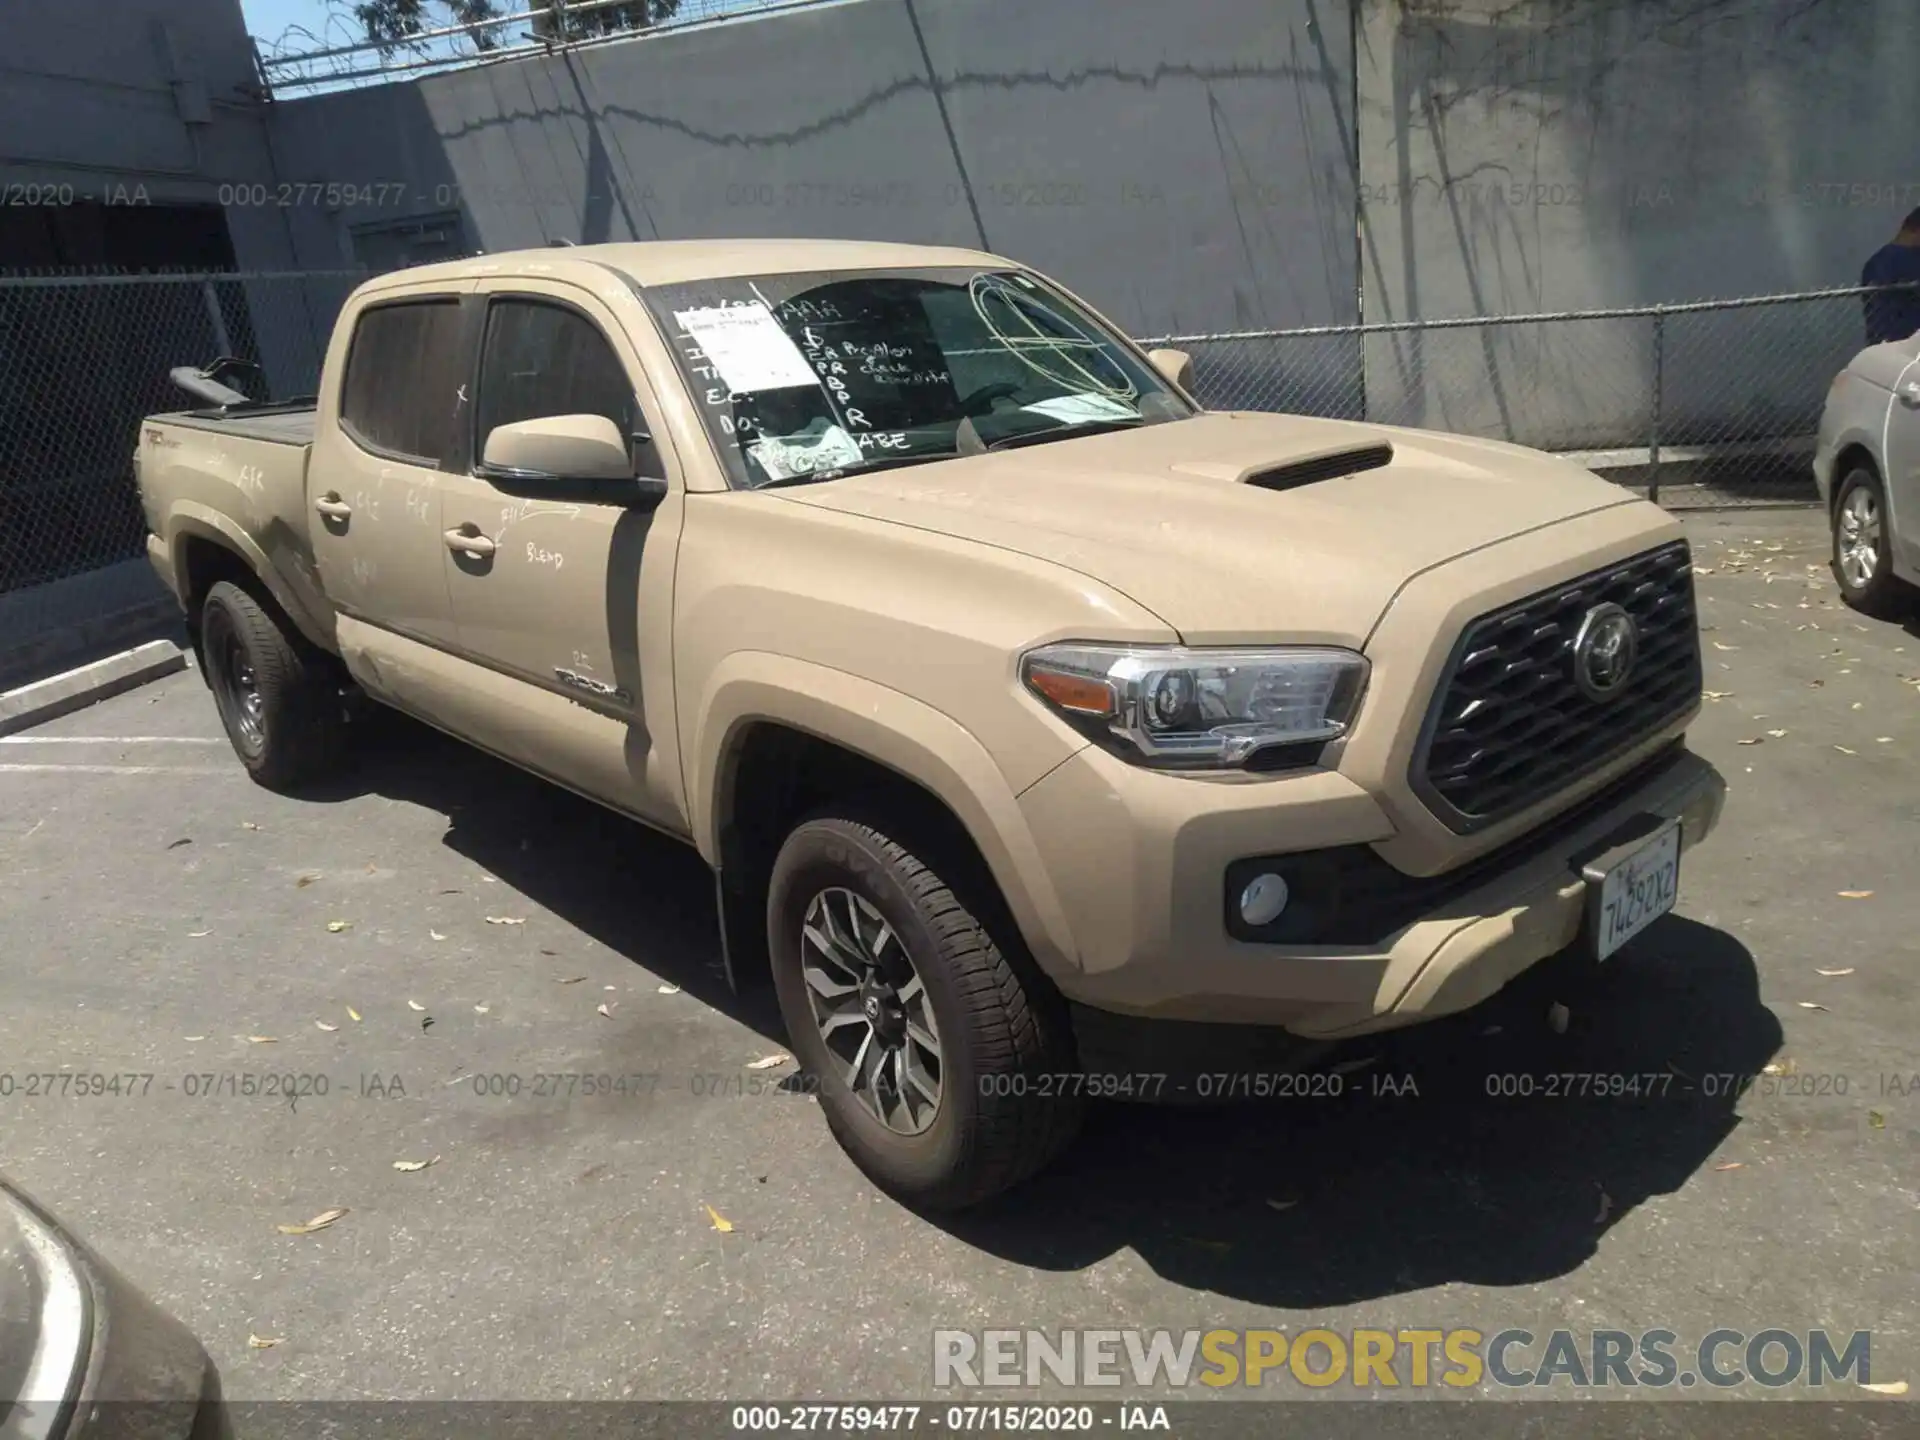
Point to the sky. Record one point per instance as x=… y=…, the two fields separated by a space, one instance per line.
x=268 y=20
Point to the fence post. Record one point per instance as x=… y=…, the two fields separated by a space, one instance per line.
x=218 y=321
x=1658 y=399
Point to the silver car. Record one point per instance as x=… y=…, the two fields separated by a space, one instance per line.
x=1867 y=466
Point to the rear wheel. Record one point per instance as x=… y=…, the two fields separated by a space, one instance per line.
x=1863 y=545
x=274 y=692
x=937 y=1052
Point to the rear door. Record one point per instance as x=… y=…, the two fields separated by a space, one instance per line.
x=374 y=480
x=558 y=593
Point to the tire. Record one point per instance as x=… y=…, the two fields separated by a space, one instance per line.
x=275 y=693
x=1002 y=1109
x=1862 y=557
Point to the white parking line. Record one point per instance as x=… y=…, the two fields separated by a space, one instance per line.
x=121 y=769
x=110 y=740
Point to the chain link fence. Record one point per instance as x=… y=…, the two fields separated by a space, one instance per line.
x=83 y=359
x=1711 y=403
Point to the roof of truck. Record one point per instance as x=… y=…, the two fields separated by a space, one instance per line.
x=668 y=262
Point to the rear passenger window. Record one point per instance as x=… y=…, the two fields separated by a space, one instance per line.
x=402 y=384
x=540 y=360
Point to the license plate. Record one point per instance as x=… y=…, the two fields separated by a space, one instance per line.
x=1637 y=891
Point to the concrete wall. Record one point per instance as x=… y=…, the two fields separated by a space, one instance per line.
x=114 y=96
x=1528 y=155
x=1185 y=166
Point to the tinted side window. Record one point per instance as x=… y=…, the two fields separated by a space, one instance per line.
x=539 y=360
x=402 y=381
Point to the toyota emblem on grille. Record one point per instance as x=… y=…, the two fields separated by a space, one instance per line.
x=1604 y=651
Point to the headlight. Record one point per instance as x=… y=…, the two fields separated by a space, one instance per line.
x=1207 y=709
x=44 y=1319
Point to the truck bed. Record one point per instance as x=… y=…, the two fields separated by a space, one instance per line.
x=280 y=425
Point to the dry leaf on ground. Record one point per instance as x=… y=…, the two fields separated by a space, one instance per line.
x=1886 y=1387
x=1732 y=1165
x=505 y=920
x=1810 y=1005
x=409 y=1166
x=720 y=1222
x=263 y=1040
x=481 y=1009
x=353 y=1014
x=605 y=1008
x=1856 y=894
x=668 y=990
x=323 y=1025
x=435 y=935
x=319 y=1222
x=767 y=1062
x=1875 y=1120
x=570 y=979
x=415 y=1005
x=1834 y=974
x=261 y=1342
x=196 y=934
x=334 y=927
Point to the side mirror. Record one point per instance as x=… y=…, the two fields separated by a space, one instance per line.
x=559 y=447
x=1175 y=365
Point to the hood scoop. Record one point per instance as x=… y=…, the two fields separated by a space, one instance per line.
x=1291 y=475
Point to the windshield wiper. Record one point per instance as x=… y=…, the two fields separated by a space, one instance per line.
x=888 y=462
x=1072 y=427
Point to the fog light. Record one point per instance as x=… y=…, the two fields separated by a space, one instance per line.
x=1263 y=899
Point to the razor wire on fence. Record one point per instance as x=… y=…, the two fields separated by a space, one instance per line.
x=1712 y=402
x=83 y=359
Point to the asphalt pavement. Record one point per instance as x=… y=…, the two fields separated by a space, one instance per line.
x=444 y=965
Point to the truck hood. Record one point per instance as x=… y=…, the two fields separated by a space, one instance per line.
x=1180 y=516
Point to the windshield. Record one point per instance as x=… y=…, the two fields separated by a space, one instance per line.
x=811 y=376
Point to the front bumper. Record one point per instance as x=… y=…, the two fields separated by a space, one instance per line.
x=1143 y=887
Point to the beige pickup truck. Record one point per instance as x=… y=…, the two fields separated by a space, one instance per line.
x=1043 y=728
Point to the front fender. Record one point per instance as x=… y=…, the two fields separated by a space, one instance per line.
x=892 y=729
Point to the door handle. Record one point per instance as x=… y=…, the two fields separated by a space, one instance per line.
x=332 y=506
x=469 y=542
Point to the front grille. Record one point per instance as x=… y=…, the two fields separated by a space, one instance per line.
x=1510 y=726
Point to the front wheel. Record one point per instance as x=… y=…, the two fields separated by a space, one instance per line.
x=942 y=1063
x=1863 y=545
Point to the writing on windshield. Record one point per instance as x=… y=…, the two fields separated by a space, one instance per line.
x=818 y=374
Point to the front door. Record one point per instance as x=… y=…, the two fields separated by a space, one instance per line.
x=557 y=593
x=1903 y=468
